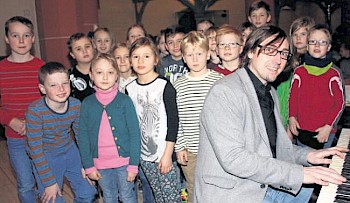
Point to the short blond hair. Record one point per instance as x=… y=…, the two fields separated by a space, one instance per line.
x=323 y=28
x=194 y=38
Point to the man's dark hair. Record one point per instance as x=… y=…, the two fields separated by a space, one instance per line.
x=257 y=37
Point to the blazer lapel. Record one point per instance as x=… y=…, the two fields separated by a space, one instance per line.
x=254 y=103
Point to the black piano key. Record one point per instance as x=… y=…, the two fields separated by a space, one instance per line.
x=343 y=192
x=341 y=201
x=343 y=188
x=342 y=198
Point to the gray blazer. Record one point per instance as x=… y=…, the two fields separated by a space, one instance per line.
x=234 y=162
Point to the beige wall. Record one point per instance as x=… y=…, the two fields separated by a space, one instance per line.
x=307 y=9
x=118 y=15
x=12 y=8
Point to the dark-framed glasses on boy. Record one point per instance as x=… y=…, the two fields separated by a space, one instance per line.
x=318 y=42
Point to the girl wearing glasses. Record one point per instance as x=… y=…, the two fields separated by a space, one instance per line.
x=316 y=99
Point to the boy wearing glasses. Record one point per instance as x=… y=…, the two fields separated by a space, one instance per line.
x=229 y=45
x=244 y=153
x=317 y=98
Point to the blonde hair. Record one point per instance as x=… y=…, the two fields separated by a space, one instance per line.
x=194 y=38
x=119 y=45
x=107 y=57
x=106 y=30
x=321 y=27
x=298 y=23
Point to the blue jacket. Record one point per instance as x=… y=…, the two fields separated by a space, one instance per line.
x=124 y=124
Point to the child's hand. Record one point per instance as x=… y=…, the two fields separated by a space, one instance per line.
x=95 y=175
x=86 y=177
x=289 y=133
x=323 y=133
x=50 y=193
x=131 y=176
x=165 y=164
x=294 y=125
x=18 y=125
x=182 y=157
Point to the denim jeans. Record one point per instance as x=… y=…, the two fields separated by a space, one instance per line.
x=68 y=164
x=329 y=142
x=277 y=196
x=147 y=193
x=114 y=180
x=21 y=164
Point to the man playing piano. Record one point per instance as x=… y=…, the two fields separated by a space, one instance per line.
x=244 y=153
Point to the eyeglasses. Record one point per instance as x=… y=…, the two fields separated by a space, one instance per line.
x=270 y=51
x=231 y=45
x=318 y=42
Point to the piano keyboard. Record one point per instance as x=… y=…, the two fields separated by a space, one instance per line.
x=332 y=192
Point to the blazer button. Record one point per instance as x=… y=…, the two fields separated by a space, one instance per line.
x=118 y=147
x=109 y=117
x=115 y=138
x=113 y=128
x=262 y=186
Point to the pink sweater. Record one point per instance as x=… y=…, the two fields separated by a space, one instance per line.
x=108 y=156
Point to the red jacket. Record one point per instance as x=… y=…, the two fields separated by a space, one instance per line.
x=316 y=100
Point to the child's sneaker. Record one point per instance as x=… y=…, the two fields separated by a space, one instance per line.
x=184 y=195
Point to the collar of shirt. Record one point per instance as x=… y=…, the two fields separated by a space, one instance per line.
x=260 y=88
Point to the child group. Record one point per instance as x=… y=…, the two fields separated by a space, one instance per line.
x=134 y=107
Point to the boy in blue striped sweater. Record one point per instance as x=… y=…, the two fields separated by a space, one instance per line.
x=50 y=145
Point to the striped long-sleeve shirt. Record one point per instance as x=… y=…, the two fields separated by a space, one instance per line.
x=49 y=131
x=190 y=95
x=18 y=88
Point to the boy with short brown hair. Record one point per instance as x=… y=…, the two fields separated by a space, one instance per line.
x=19 y=87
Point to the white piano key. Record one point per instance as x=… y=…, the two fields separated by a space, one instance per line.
x=328 y=193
